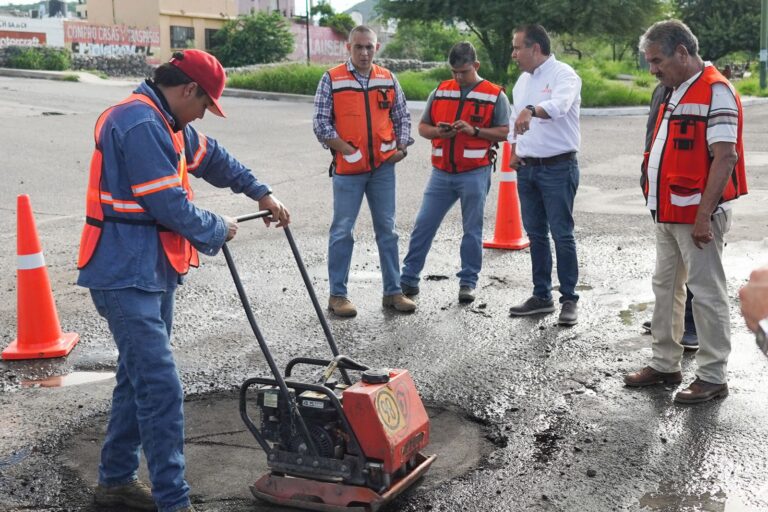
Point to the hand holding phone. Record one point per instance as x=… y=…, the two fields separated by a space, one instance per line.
x=444 y=127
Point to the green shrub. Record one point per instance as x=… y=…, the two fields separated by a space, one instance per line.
x=253 y=39
x=44 y=57
x=290 y=78
x=750 y=87
x=599 y=92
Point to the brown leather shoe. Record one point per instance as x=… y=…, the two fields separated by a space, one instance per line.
x=135 y=495
x=701 y=391
x=650 y=377
x=400 y=302
x=341 y=306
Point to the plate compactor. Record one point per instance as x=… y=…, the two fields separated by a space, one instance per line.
x=335 y=444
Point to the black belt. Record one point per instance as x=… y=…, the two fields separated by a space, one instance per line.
x=530 y=160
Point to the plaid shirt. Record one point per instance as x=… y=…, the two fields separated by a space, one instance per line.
x=323 y=118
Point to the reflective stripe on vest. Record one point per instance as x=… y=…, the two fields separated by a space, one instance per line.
x=685 y=160
x=463 y=152
x=180 y=253
x=375 y=141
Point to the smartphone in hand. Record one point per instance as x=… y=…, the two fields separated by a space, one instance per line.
x=444 y=127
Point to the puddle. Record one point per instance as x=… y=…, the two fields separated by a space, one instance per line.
x=628 y=315
x=671 y=498
x=71 y=379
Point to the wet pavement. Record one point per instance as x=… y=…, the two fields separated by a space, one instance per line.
x=526 y=415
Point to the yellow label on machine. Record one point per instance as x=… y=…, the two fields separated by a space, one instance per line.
x=389 y=411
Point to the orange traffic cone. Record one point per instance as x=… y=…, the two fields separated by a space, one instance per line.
x=39 y=331
x=508 y=233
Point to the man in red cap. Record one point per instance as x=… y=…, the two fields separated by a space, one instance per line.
x=141 y=235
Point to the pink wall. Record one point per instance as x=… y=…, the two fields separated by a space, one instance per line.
x=325 y=45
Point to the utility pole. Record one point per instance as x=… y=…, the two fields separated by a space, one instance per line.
x=763 y=42
x=307 y=6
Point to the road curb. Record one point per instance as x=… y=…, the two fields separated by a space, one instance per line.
x=304 y=98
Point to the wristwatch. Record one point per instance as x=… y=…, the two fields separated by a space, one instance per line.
x=404 y=150
x=477 y=131
x=532 y=109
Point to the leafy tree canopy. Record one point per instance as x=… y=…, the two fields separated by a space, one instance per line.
x=425 y=41
x=494 y=21
x=722 y=26
x=341 y=23
x=254 y=39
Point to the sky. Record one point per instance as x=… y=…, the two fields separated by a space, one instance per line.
x=338 y=5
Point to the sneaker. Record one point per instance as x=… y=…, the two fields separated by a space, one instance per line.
x=690 y=341
x=568 y=313
x=400 y=302
x=408 y=290
x=647 y=327
x=532 y=306
x=341 y=306
x=134 y=495
x=466 y=294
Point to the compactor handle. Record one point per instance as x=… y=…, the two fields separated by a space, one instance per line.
x=258 y=215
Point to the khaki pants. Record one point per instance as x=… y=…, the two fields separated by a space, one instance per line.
x=679 y=261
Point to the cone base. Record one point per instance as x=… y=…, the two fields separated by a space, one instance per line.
x=58 y=348
x=515 y=244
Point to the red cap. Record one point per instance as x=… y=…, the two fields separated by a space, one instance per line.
x=207 y=71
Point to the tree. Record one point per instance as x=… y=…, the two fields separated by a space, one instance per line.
x=425 y=41
x=253 y=39
x=341 y=23
x=494 y=21
x=722 y=26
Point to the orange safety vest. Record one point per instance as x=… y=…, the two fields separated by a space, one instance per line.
x=685 y=159
x=375 y=142
x=463 y=152
x=178 y=250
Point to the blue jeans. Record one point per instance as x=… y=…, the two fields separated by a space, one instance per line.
x=443 y=190
x=147 y=402
x=348 y=191
x=546 y=199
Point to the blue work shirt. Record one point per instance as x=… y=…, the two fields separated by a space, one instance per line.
x=137 y=149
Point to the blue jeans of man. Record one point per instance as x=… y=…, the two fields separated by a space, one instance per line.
x=378 y=187
x=546 y=200
x=443 y=190
x=147 y=402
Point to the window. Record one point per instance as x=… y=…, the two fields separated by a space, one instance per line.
x=209 y=33
x=182 y=37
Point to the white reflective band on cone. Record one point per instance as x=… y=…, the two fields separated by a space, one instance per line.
x=30 y=261
x=508 y=176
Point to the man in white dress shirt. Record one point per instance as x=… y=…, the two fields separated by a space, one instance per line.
x=695 y=169
x=545 y=137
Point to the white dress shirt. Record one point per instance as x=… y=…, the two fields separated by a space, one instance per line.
x=555 y=87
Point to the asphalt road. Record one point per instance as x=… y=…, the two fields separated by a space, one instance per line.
x=558 y=430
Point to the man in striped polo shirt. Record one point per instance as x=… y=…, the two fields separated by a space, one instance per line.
x=695 y=169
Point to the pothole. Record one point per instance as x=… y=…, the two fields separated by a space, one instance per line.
x=223 y=458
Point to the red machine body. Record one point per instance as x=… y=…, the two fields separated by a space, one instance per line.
x=389 y=419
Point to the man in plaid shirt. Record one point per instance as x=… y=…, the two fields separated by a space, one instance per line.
x=362 y=117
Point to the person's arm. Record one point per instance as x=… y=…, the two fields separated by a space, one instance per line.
x=431 y=130
x=754 y=298
x=401 y=120
x=566 y=88
x=322 y=120
x=215 y=165
x=724 y=159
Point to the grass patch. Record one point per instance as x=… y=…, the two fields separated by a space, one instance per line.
x=97 y=72
x=597 y=90
x=70 y=78
x=751 y=87
x=290 y=78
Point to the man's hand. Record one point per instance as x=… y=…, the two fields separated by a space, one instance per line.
x=445 y=131
x=523 y=121
x=231 y=227
x=396 y=157
x=754 y=298
x=463 y=127
x=279 y=212
x=702 y=232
